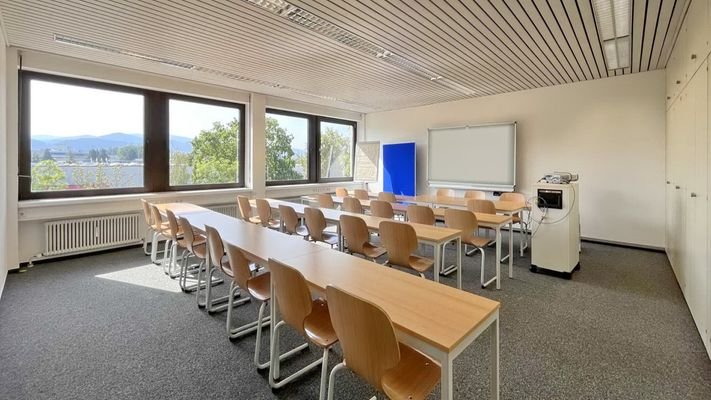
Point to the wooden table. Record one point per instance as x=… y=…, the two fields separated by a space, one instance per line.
x=432 y=235
x=398 y=208
x=436 y=319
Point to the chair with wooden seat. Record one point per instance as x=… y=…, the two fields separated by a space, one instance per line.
x=245 y=210
x=259 y=289
x=326 y=201
x=351 y=204
x=517 y=217
x=175 y=234
x=308 y=317
x=400 y=241
x=150 y=232
x=264 y=211
x=483 y=207
x=161 y=229
x=387 y=196
x=382 y=209
x=361 y=194
x=465 y=221
x=420 y=214
x=291 y=222
x=195 y=245
x=341 y=192
x=445 y=192
x=217 y=261
x=371 y=350
x=357 y=237
x=316 y=225
x=475 y=194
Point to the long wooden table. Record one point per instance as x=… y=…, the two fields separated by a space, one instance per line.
x=432 y=235
x=436 y=319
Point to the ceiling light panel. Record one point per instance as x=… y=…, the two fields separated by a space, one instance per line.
x=613 y=19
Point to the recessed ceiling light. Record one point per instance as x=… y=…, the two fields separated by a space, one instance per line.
x=613 y=20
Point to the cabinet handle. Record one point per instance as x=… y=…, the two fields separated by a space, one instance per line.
x=668 y=182
x=693 y=195
x=678 y=187
x=693 y=56
x=678 y=82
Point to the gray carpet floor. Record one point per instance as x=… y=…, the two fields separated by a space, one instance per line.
x=110 y=326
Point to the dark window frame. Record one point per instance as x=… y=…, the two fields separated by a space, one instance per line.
x=156 y=174
x=314 y=156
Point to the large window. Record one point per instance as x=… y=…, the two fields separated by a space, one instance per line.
x=81 y=138
x=302 y=148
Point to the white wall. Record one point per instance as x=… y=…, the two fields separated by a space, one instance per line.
x=27 y=217
x=610 y=131
x=4 y=262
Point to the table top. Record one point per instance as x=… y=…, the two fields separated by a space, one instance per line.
x=437 y=314
x=428 y=311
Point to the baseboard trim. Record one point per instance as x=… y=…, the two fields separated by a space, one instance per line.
x=624 y=244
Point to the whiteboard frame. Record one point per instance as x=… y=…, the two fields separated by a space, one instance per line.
x=377 y=163
x=464 y=185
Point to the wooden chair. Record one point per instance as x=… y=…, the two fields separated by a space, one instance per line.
x=308 y=317
x=400 y=241
x=361 y=194
x=483 y=207
x=161 y=230
x=245 y=210
x=195 y=245
x=475 y=194
x=357 y=237
x=316 y=225
x=341 y=192
x=325 y=201
x=445 y=192
x=382 y=209
x=372 y=351
x=351 y=204
x=264 y=210
x=259 y=289
x=465 y=221
x=517 y=218
x=150 y=233
x=420 y=214
x=175 y=234
x=290 y=220
x=387 y=196
x=217 y=262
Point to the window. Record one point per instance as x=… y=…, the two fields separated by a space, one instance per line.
x=302 y=148
x=287 y=145
x=204 y=143
x=80 y=138
x=336 y=140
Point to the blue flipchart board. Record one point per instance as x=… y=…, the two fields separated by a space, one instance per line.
x=399 y=168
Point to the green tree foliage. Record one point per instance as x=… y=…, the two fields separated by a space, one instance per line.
x=129 y=152
x=47 y=155
x=70 y=156
x=281 y=161
x=103 y=156
x=93 y=155
x=180 y=164
x=46 y=175
x=214 y=157
x=335 y=154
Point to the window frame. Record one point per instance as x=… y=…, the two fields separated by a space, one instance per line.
x=156 y=140
x=314 y=156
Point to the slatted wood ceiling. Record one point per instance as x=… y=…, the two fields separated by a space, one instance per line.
x=487 y=46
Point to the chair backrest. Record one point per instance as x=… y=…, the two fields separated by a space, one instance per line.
x=245 y=209
x=420 y=214
x=361 y=194
x=382 y=209
x=513 y=196
x=239 y=264
x=188 y=235
x=445 y=192
x=156 y=218
x=351 y=204
x=264 y=210
x=366 y=335
x=341 y=192
x=355 y=231
x=387 y=196
x=173 y=224
x=463 y=220
x=315 y=222
x=481 y=206
x=214 y=246
x=475 y=194
x=292 y=294
x=288 y=218
x=399 y=239
x=147 y=212
x=325 y=200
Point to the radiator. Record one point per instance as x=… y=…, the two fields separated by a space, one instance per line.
x=227 y=209
x=89 y=234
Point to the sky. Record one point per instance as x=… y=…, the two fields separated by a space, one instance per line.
x=297 y=127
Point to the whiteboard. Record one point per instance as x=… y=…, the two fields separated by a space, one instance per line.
x=367 y=156
x=473 y=157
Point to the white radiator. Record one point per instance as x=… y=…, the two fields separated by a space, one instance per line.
x=89 y=234
x=227 y=209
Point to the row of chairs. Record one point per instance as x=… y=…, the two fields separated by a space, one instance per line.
x=366 y=334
